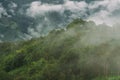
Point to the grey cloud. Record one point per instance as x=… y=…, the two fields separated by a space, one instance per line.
x=12 y=7
x=2 y=11
x=98 y=11
x=37 y=8
x=50 y=16
x=106 y=13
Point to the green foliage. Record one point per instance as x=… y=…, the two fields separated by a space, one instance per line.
x=14 y=62
x=76 y=22
x=5 y=76
x=60 y=56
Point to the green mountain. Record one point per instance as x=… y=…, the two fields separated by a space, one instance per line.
x=82 y=51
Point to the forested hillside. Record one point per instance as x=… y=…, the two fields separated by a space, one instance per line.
x=82 y=51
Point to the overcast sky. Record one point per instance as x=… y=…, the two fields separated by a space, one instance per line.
x=51 y=14
x=103 y=11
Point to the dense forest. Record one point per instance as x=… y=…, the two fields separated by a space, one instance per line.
x=81 y=51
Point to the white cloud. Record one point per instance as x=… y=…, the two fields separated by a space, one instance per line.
x=37 y=8
x=105 y=14
x=113 y=5
x=100 y=11
x=2 y=11
x=71 y=5
x=12 y=6
x=104 y=11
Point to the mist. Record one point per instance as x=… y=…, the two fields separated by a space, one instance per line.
x=99 y=44
x=60 y=39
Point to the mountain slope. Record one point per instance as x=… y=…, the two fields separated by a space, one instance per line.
x=82 y=51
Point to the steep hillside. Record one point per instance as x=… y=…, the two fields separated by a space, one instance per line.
x=82 y=51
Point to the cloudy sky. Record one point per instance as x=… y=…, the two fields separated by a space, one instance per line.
x=51 y=14
x=100 y=11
